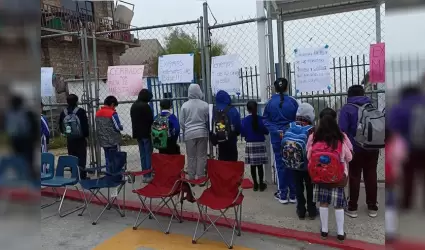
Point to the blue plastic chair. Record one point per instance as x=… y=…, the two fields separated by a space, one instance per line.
x=47 y=166
x=60 y=181
x=111 y=177
x=19 y=167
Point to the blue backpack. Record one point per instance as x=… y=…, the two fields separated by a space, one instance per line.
x=293 y=146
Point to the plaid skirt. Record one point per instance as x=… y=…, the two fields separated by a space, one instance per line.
x=332 y=196
x=256 y=153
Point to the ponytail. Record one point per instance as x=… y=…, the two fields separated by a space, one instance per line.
x=252 y=108
x=281 y=86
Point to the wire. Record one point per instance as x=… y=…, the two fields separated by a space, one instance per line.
x=215 y=20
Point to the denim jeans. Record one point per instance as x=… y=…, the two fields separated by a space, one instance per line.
x=108 y=152
x=145 y=150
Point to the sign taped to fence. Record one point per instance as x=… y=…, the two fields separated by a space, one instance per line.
x=312 y=69
x=126 y=80
x=225 y=72
x=377 y=63
x=47 y=82
x=176 y=68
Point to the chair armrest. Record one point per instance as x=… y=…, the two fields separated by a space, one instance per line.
x=196 y=181
x=139 y=173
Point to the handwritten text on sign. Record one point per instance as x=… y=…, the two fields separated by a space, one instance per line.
x=377 y=63
x=125 y=80
x=225 y=74
x=312 y=71
x=176 y=68
x=46 y=82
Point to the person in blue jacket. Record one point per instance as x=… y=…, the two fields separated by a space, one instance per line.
x=173 y=127
x=227 y=148
x=45 y=132
x=279 y=112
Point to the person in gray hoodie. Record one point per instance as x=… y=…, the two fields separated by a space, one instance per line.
x=194 y=125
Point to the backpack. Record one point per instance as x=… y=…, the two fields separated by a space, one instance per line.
x=72 y=125
x=18 y=124
x=222 y=124
x=325 y=165
x=370 y=133
x=294 y=143
x=160 y=131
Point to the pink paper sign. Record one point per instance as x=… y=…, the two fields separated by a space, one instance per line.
x=125 y=80
x=377 y=63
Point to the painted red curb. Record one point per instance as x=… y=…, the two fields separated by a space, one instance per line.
x=313 y=238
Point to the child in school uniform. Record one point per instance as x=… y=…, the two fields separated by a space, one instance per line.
x=329 y=137
x=253 y=130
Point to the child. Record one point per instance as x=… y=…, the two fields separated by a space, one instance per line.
x=253 y=130
x=328 y=149
x=166 y=124
x=227 y=127
x=45 y=132
x=295 y=158
x=108 y=127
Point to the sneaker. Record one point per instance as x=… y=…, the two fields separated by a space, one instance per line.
x=293 y=201
x=263 y=187
x=301 y=215
x=281 y=201
x=341 y=238
x=351 y=213
x=323 y=235
x=373 y=213
x=255 y=187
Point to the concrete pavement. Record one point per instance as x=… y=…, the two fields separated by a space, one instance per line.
x=113 y=232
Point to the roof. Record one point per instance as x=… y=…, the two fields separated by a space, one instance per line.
x=146 y=55
x=298 y=9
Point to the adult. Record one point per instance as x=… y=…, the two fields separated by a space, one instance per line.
x=141 y=123
x=45 y=132
x=194 y=124
x=279 y=112
x=365 y=161
x=74 y=124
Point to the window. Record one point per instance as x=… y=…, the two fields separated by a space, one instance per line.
x=86 y=7
x=69 y=4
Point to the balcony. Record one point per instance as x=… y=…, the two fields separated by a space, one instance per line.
x=60 y=20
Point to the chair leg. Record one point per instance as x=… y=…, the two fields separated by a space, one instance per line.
x=58 y=199
x=240 y=220
x=63 y=214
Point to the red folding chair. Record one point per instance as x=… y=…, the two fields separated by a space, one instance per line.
x=224 y=193
x=165 y=185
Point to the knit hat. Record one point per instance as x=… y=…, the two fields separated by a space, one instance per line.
x=306 y=111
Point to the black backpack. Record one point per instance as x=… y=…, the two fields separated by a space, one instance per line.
x=222 y=124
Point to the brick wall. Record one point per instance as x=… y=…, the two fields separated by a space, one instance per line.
x=56 y=3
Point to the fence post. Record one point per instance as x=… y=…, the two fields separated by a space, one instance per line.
x=202 y=50
x=207 y=58
x=378 y=22
x=262 y=52
x=270 y=41
x=97 y=99
x=280 y=46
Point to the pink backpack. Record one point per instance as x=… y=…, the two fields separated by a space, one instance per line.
x=324 y=165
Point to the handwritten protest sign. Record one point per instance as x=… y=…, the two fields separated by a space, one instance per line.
x=176 y=68
x=225 y=72
x=47 y=82
x=312 y=71
x=125 y=80
x=377 y=63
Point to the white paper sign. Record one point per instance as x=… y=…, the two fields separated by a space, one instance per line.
x=312 y=69
x=47 y=82
x=225 y=76
x=176 y=68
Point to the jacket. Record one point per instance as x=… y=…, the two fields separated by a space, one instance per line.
x=277 y=118
x=222 y=101
x=174 y=126
x=45 y=134
x=82 y=116
x=194 y=115
x=248 y=132
x=142 y=116
x=348 y=118
x=108 y=127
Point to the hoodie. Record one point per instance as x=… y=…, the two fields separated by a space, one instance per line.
x=194 y=115
x=142 y=116
x=278 y=118
x=223 y=100
x=348 y=118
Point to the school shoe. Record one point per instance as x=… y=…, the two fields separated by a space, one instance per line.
x=301 y=215
x=281 y=201
x=341 y=238
x=255 y=188
x=323 y=235
x=351 y=213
